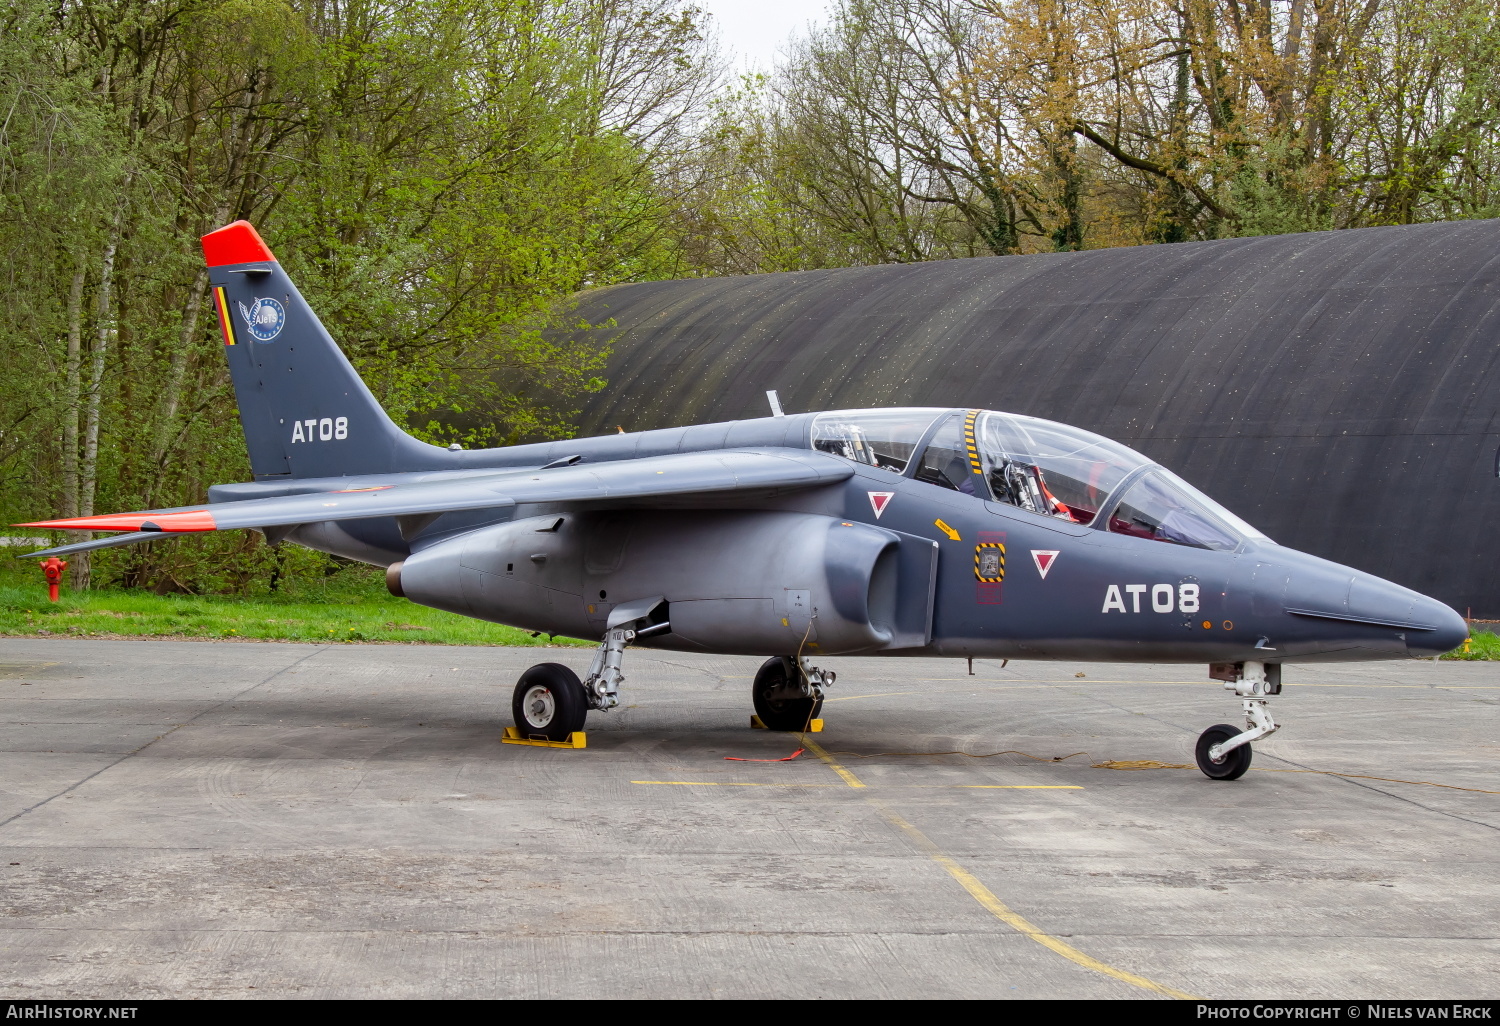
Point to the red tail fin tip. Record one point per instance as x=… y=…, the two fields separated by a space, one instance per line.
x=237 y=243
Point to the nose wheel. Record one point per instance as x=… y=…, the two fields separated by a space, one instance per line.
x=1230 y=765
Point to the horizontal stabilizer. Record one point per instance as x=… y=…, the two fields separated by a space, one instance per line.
x=386 y=501
x=115 y=541
x=684 y=474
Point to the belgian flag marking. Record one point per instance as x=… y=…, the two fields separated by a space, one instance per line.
x=221 y=303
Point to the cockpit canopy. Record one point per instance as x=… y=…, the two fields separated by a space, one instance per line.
x=1047 y=468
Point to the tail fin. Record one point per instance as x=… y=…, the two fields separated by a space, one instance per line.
x=304 y=410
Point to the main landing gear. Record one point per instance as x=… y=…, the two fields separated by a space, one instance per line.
x=550 y=703
x=788 y=692
x=1223 y=750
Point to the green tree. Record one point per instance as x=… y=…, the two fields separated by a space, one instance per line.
x=439 y=176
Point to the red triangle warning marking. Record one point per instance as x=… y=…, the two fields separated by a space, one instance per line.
x=880 y=500
x=1044 y=558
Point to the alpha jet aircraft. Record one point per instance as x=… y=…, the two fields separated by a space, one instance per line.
x=903 y=532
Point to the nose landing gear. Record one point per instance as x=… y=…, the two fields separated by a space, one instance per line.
x=1223 y=753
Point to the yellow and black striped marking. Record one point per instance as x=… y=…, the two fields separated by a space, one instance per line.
x=989 y=562
x=969 y=443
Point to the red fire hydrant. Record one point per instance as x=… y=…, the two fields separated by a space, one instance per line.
x=53 y=568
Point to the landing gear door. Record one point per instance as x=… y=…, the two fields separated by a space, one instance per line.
x=916 y=587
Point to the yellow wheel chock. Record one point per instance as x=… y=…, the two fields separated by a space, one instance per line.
x=577 y=739
x=815 y=727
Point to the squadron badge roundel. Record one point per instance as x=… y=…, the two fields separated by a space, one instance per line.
x=265 y=317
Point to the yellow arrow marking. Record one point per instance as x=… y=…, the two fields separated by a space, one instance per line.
x=950 y=532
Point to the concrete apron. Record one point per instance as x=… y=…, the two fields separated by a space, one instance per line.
x=181 y=819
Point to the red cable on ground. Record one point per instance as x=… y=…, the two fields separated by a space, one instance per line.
x=789 y=758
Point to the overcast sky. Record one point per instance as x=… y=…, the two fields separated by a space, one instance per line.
x=754 y=30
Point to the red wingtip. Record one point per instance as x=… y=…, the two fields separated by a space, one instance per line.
x=237 y=243
x=173 y=523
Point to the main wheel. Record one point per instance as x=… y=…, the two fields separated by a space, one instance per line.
x=1231 y=766
x=778 y=697
x=549 y=703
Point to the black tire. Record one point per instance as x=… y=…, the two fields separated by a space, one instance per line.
x=778 y=699
x=549 y=703
x=1233 y=765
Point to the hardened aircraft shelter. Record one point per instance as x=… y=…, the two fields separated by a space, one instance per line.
x=1336 y=389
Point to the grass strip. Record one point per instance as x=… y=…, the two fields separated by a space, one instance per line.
x=362 y=616
x=1481 y=644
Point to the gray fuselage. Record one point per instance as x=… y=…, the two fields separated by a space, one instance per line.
x=944 y=572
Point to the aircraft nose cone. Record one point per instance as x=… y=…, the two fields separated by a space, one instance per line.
x=1348 y=609
x=1451 y=629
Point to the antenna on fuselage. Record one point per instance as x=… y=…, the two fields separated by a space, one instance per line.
x=775 y=402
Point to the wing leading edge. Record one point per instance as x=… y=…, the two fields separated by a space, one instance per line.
x=672 y=476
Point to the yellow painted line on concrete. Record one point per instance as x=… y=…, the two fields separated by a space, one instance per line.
x=694 y=783
x=831 y=762
x=920 y=787
x=1017 y=787
x=982 y=894
x=1003 y=912
x=883 y=694
x=722 y=783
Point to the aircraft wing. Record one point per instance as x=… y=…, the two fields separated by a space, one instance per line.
x=718 y=472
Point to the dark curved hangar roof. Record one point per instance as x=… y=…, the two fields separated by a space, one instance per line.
x=1336 y=389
